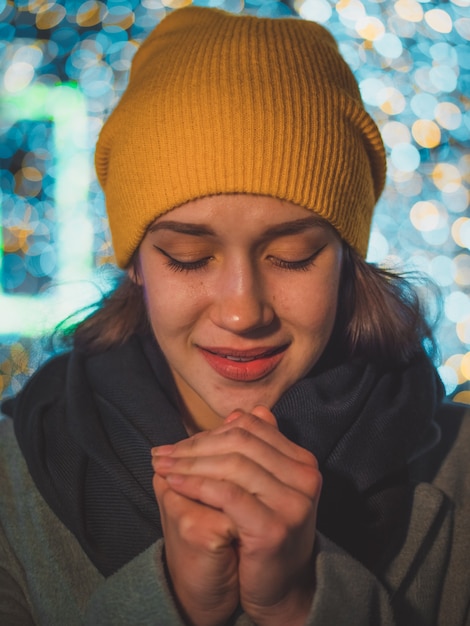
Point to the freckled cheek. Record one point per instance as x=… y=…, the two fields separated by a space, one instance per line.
x=172 y=307
x=311 y=311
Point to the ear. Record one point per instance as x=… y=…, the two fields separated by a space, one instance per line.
x=133 y=271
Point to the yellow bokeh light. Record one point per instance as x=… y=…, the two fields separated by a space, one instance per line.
x=351 y=9
x=463 y=397
x=25 y=186
x=464 y=167
x=424 y=215
x=438 y=20
x=20 y=359
x=370 y=28
x=463 y=330
x=176 y=4
x=426 y=133
x=448 y=115
x=91 y=13
x=32 y=173
x=391 y=100
x=49 y=15
x=446 y=177
x=122 y=20
x=462 y=269
x=400 y=176
x=394 y=133
x=455 y=362
x=6 y=367
x=35 y=5
x=15 y=239
x=457 y=227
x=409 y=10
x=465 y=366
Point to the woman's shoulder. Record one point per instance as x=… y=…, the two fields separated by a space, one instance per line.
x=7 y=437
x=14 y=475
x=430 y=571
x=454 y=420
x=447 y=465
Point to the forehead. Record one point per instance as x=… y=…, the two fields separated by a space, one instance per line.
x=231 y=214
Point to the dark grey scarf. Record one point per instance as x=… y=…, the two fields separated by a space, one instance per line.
x=85 y=425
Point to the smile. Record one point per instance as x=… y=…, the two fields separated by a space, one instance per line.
x=243 y=365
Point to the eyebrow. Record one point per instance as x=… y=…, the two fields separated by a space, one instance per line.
x=201 y=230
x=186 y=228
x=296 y=226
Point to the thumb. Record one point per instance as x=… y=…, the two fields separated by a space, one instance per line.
x=264 y=414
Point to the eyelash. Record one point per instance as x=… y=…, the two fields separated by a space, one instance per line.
x=179 y=266
x=296 y=266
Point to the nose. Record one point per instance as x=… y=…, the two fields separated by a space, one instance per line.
x=242 y=303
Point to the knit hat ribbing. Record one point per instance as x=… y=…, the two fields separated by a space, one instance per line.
x=223 y=103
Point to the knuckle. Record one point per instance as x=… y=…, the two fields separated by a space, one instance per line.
x=300 y=510
x=231 y=492
x=277 y=533
x=193 y=442
x=185 y=525
x=237 y=461
x=306 y=457
x=311 y=480
x=208 y=533
x=187 y=528
x=238 y=436
x=247 y=421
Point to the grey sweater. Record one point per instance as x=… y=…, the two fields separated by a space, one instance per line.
x=46 y=579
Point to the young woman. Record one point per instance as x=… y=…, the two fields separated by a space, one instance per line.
x=248 y=430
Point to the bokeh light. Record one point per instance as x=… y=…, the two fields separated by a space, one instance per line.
x=66 y=63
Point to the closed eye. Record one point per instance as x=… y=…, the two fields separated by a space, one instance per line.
x=183 y=266
x=188 y=266
x=300 y=265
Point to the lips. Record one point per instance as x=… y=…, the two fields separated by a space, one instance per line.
x=243 y=365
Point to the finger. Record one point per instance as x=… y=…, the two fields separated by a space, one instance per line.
x=252 y=518
x=263 y=428
x=233 y=416
x=233 y=436
x=265 y=473
x=195 y=523
x=250 y=421
x=260 y=411
x=265 y=414
x=238 y=455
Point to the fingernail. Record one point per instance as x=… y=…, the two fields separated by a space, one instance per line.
x=162 y=450
x=175 y=479
x=233 y=415
x=162 y=462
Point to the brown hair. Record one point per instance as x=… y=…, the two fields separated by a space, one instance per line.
x=380 y=315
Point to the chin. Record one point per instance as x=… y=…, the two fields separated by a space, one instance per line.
x=245 y=402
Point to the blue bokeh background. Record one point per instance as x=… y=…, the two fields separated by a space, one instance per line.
x=63 y=66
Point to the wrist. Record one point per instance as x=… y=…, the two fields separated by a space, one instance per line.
x=292 y=608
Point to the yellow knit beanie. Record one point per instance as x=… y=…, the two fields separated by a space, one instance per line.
x=223 y=103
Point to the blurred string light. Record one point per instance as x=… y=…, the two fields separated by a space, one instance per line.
x=70 y=259
x=65 y=64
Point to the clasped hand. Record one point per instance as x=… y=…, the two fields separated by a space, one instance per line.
x=238 y=507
